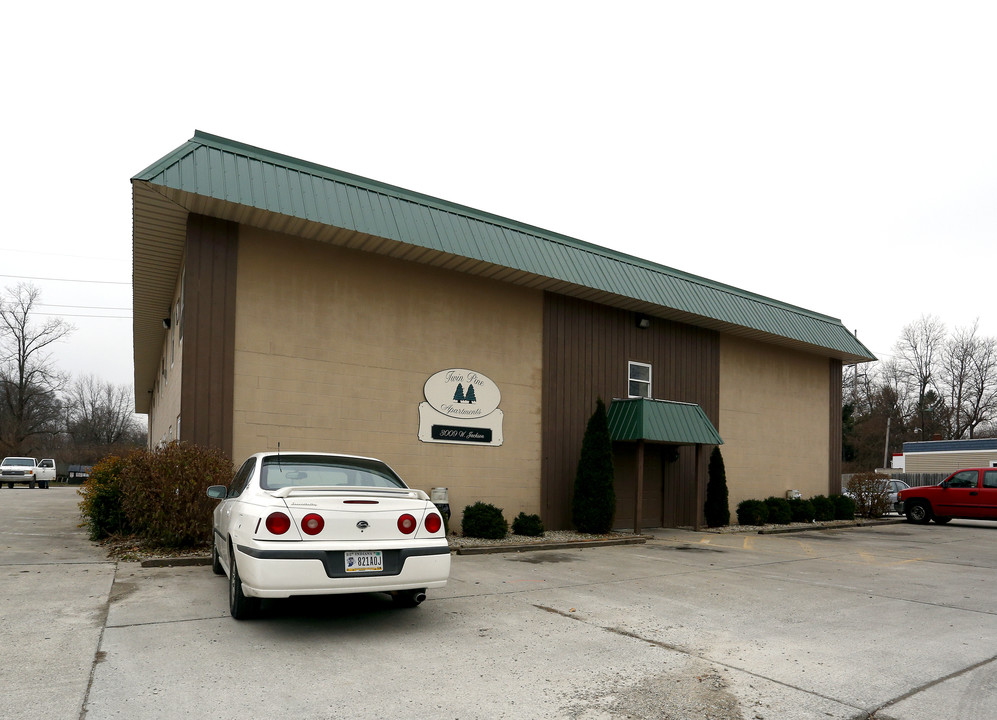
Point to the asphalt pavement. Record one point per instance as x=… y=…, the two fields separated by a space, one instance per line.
x=892 y=621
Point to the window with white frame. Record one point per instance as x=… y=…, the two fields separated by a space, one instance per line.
x=639 y=380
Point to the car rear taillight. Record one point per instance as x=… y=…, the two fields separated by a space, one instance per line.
x=433 y=522
x=407 y=524
x=278 y=523
x=312 y=524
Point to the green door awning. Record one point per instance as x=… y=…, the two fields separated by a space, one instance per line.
x=661 y=421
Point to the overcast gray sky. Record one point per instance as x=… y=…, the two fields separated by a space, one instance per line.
x=837 y=156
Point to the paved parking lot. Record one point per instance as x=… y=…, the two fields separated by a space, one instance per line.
x=894 y=621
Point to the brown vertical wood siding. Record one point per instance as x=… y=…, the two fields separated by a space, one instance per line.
x=834 y=424
x=586 y=350
x=207 y=391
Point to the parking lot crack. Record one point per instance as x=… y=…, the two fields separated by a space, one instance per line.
x=931 y=684
x=99 y=653
x=699 y=656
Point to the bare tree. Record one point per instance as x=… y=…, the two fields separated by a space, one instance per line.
x=898 y=388
x=983 y=409
x=969 y=380
x=100 y=413
x=917 y=353
x=957 y=359
x=29 y=380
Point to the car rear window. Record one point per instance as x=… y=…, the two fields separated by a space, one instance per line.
x=297 y=470
x=19 y=462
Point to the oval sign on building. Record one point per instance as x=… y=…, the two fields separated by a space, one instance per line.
x=462 y=393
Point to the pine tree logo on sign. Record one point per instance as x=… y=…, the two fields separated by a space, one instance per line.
x=461 y=407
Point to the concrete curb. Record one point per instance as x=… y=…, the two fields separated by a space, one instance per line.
x=177 y=561
x=843 y=526
x=526 y=547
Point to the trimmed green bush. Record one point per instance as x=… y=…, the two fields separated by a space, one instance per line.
x=802 y=510
x=717 y=506
x=752 y=512
x=528 y=525
x=594 y=501
x=483 y=520
x=100 y=507
x=844 y=507
x=164 y=492
x=823 y=508
x=779 y=511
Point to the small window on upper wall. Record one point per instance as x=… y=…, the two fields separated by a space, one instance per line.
x=639 y=377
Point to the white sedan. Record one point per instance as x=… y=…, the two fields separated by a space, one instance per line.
x=323 y=524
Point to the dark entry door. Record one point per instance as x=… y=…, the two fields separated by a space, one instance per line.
x=625 y=470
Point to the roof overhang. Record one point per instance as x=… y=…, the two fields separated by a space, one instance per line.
x=660 y=421
x=230 y=181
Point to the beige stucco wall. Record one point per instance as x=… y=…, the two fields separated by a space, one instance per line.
x=333 y=348
x=774 y=418
x=165 y=408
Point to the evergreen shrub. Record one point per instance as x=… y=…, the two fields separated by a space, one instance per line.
x=752 y=512
x=780 y=513
x=528 y=525
x=594 y=503
x=802 y=510
x=844 y=507
x=823 y=508
x=717 y=506
x=483 y=520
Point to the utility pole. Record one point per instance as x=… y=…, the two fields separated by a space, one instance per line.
x=886 y=450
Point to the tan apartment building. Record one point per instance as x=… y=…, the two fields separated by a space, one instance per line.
x=277 y=301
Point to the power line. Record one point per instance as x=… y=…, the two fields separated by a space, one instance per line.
x=82 y=307
x=110 y=317
x=98 y=282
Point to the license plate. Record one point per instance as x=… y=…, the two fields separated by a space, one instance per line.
x=364 y=561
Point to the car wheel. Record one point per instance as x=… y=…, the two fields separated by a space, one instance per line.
x=941 y=521
x=216 y=563
x=240 y=607
x=31 y=485
x=410 y=598
x=10 y=486
x=919 y=513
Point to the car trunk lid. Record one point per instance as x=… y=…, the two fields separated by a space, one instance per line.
x=352 y=513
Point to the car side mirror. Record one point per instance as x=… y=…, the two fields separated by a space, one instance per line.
x=218 y=492
x=945 y=485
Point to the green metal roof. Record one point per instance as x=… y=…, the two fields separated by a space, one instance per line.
x=661 y=421
x=222 y=178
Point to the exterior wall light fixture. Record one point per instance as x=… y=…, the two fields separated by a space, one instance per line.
x=643 y=322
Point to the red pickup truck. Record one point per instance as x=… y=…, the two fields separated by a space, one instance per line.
x=968 y=494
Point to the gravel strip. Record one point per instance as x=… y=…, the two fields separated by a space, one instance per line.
x=549 y=538
x=799 y=526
